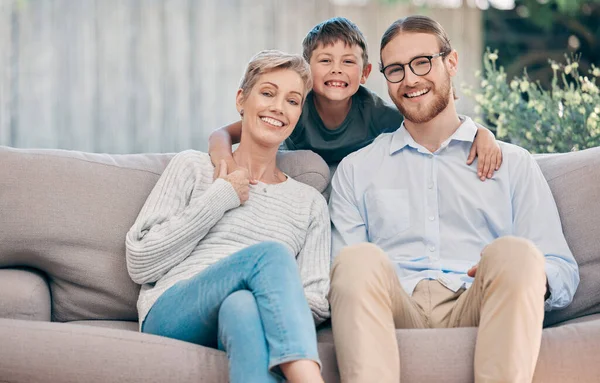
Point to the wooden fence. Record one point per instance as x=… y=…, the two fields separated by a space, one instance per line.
x=124 y=76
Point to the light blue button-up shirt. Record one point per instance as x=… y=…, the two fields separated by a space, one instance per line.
x=433 y=216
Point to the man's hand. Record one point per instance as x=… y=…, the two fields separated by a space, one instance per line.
x=472 y=271
x=238 y=179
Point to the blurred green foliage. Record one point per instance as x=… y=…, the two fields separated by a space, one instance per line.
x=561 y=118
x=536 y=31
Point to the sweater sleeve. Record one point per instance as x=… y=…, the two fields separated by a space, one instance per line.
x=175 y=217
x=314 y=261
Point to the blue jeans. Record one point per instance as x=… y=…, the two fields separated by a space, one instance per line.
x=251 y=304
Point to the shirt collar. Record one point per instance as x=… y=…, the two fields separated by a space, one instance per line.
x=465 y=132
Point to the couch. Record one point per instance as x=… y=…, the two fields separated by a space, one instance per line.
x=68 y=306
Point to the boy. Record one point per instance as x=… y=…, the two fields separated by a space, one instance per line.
x=340 y=115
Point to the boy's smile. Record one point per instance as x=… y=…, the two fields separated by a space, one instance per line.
x=336 y=84
x=337 y=70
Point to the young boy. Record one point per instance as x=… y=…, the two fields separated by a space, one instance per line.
x=340 y=115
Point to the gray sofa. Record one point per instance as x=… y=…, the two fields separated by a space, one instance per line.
x=67 y=304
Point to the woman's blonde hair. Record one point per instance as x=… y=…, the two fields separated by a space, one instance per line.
x=271 y=60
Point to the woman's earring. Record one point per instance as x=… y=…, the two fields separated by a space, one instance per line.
x=241 y=112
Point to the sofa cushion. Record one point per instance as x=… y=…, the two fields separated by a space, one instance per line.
x=66 y=213
x=114 y=324
x=25 y=295
x=583 y=319
x=574 y=179
x=568 y=354
x=34 y=352
x=58 y=352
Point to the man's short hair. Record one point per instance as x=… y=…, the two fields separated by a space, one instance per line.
x=271 y=60
x=331 y=31
x=416 y=24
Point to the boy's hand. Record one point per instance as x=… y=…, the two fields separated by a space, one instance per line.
x=490 y=156
x=231 y=166
x=238 y=179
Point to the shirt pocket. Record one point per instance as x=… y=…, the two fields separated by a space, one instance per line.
x=388 y=212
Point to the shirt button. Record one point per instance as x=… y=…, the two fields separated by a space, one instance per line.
x=431 y=218
x=432 y=248
x=430 y=186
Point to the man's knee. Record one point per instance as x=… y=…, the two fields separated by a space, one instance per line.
x=517 y=257
x=357 y=266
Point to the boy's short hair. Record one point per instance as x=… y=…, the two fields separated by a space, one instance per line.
x=271 y=60
x=331 y=31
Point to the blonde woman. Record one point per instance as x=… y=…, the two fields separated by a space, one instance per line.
x=239 y=265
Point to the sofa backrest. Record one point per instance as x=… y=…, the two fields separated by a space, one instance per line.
x=574 y=179
x=66 y=213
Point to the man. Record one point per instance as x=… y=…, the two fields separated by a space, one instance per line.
x=420 y=243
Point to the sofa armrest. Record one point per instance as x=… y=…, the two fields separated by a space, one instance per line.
x=24 y=294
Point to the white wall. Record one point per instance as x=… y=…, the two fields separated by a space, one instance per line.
x=126 y=76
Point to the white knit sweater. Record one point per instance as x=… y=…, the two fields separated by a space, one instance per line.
x=190 y=222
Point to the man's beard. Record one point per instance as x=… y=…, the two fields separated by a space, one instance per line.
x=426 y=114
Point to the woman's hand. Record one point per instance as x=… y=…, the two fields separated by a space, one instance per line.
x=489 y=153
x=231 y=166
x=239 y=179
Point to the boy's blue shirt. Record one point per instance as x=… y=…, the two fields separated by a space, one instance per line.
x=368 y=117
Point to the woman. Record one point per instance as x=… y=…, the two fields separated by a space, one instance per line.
x=219 y=260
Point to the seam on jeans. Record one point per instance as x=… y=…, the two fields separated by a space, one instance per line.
x=277 y=317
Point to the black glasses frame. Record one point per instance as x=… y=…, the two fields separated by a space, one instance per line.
x=383 y=70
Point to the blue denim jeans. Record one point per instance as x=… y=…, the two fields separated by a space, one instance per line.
x=250 y=304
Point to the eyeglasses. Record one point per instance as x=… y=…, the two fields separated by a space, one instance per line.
x=420 y=65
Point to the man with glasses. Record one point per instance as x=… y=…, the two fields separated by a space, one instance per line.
x=420 y=243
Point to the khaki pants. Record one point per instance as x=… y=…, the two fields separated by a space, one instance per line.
x=506 y=301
